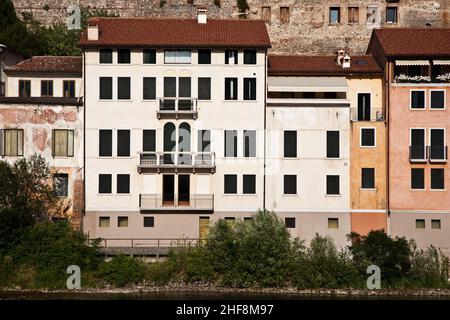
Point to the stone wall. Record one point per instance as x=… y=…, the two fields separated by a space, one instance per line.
x=308 y=29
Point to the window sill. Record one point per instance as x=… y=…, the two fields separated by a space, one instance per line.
x=420 y=190
x=333 y=195
x=438 y=190
x=367 y=147
x=437 y=109
x=290 y=158
x=368 y=189
x=63 y=157
x=338 y=158
x=291 y=195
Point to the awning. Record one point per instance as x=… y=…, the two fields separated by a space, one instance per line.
x=307 y=84
x=441 y=62
x=412 y=62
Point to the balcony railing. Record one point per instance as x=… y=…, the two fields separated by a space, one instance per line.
x=418 y=153
x=175 y=202
x=177 y=108
x=438 y=153
x=357 y=116
x=177 y=160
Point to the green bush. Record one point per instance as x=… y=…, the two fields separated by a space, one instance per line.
x=122 y=270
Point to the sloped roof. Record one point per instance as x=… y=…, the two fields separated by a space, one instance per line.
x=52 y=64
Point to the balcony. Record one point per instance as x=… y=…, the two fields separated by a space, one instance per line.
x=418 y=153
x=438 y=153
x=356 y=115
x=174 y=108
x=174 y=202
x=177 y=161
x=422 y=71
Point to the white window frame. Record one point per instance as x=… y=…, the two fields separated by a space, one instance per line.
x=296 y=185
x=256 y=144
x=425 y=140
x=374 y=137
x=326 y=144
x=424 y=97
x=445 y=186
x=424 y=180
x=176 y=57
x=445 y=99
x=282 y=144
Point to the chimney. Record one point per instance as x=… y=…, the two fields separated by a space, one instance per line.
x=340 y=57
x=201 y=15
x=92 y=32
x=347 y=60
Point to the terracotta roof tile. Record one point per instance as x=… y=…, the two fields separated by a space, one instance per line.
x=320 y=65
x=48 y=64
x=162 y=32
x=418 y=42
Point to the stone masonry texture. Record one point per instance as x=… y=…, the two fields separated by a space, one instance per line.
x=306 y=31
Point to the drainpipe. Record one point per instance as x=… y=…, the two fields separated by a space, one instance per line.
x=265 y=128
x=387 y=106
x=84 y=142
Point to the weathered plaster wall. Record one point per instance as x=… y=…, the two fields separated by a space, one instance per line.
x=307 y=31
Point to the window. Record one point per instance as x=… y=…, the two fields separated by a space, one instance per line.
x=149 y=88
x=170 y=86
x=149 y=56
x=123 y=55
x=420 y=223
x=11 y=142
x=249 y=143
x=46 y=88
x=204 y=89
x=105 y=88
x=363 y=106
x=104 y=183
x=103 y=222
x=289 y=223
x=417 y=178
x=123 y=88
x=204 y=140
x=230 y=184
x=63 y=143
x=179 y=56
x=290 y=144
x=69 y=88
x=353 y=14
x=372 y=15
x=204 y=56
x=122 y=222
x=391 y=14
x=230 y=143
x=61 y=181
x=106 y=55
x=231 y=88
x=332 y=144
x=266 y=14
x=123 y=143
x=332 y=185
x=435 y=224
x=437 y=149
x=105 y=143
x=148 y=140
x=231 y=57
x=123 y=183
x=368 y=178
x=249 y=89
x=417 y=148
x=367 y=137
x=249 y=56
x=149 y=222
x=335 y=15
x=437 y=179
x=249 y=184
x=437 y=99
x=333 y=223
x=284 y=15
x=290 y=184
x=417 y=99
x=24 y=88
x=184 y=87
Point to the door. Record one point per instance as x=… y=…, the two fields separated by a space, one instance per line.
x=417 y=144
x=168 y=190
x=203 y=224
x=437 y=149
x=363 y=106
x=183 y=189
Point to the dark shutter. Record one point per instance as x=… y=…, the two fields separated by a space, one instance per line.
x=149 y=222
x=105 y=143
x=417 y=100
x=184 y=87
x=368 y=137
x=437 y=99
x=249 y=56
x=417 y=178
x=204 y=56
x=290 y=184
x=149 y=140
x=249 y=89
x=149 y=56
x=368 y=178
x=149 y=86
x=230 y=184
x=170 y=87
x=123 y=56
x=290 y=144
x=363 y=106
x=332 y=184
x=437 y=178
x=106 y=55
x=204 y=88
x=249 y=184
x=123 y=143
x=104 y=183
x=289 y=223
x=123 y=88
x=332 y=144
x=123 y=183
x=105 y=88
